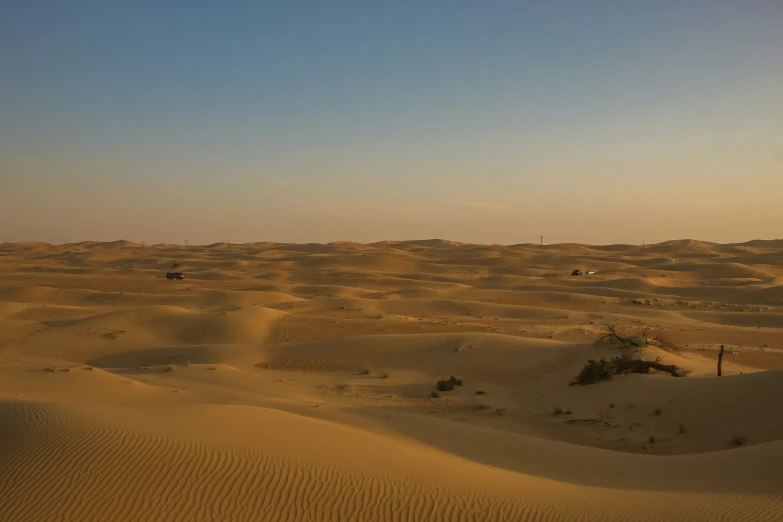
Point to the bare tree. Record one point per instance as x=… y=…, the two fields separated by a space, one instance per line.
x=639 y=339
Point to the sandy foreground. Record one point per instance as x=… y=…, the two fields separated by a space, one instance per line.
x=292 y=382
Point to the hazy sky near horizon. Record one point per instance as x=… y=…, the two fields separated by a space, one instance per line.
x=488 y=121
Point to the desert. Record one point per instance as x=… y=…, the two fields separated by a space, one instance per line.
x=283 y=381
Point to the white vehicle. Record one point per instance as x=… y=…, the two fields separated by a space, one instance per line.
x=589 y=272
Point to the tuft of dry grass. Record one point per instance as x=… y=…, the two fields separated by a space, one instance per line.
x=652 y=439
x=739 y=440
x=682 y=428
x=482 y=407
x=170 y=368
x=384 y=375
x=480 y=392
x=658 y=411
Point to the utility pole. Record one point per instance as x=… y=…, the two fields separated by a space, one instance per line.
x=541 y=245
x=142 y=246
x=642 y=246
x=186 y=244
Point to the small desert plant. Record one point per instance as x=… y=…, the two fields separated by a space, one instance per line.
x=658 y=411
x=170 y=368
x=603 y=370
x=739 y=440
x=384 y=375
x=652 y=439
x=448 y=384
x=682 y=428
x=89 y=368
x=595 y=371
x=501 y=411
x=435 y=395
x=175 y=265
x=611 y=405
x=366 y=371
x=480 y=392
x=482 y=406
x=558 y=411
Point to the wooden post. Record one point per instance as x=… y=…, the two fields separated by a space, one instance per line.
x=720 y=360
x=642 y=246
x=142 y=246
x=542 y=242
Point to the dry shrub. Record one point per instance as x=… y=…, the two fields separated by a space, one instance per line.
x=635 y=340
x=449 y=384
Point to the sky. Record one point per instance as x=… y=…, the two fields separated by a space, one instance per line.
x=489 y=121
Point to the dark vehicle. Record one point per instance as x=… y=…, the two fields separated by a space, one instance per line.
x=576 y=272
x=175 y=275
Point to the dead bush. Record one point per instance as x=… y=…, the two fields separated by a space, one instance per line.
x=635 y=340
x=449 y=384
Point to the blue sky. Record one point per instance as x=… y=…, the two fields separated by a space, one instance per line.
x=486 y=121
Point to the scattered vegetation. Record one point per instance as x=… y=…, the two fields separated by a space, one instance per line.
x=658 y=411
x=384 y=375
x=448 y=384
x=480 y=392
x=682 y=428
x=739 y=440
x=557 y=411
x=501 y=411
x=435 y=395
x=367 y=371
x=170 y=368
x=482 y=406
x=175 y=265
x=611 y=405
x=652 y=439
x=629 y=361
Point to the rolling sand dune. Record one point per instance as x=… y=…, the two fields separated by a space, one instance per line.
x=295 y=382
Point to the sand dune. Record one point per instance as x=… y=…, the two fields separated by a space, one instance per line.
x=293 y=382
